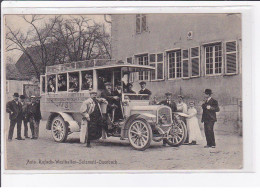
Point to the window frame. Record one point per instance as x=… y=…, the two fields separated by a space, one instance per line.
x=222 y=58
x=57 y=89
x=141 y=23
x=168 y=63
x=189 y=63
x=81 y=79
x=156 y=64
x=237 y=65
x=47 y=81
x=41 y=92
x=198 y=62
x=137 y=62
x=68 y=81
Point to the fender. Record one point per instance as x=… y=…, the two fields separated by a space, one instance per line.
x=71 y=123
x=150 y=118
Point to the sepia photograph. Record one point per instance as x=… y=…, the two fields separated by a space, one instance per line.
x=123 y=92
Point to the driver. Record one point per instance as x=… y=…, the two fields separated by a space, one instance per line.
x=144 y=90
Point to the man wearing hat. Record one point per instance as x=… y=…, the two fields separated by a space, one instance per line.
x=112 y=99
x=34 y=116
x=210 y=107
x=129 y=89
x=169 y=102
x=14 y=108
x=92 y=113
x=25 y=116
x=143 y=89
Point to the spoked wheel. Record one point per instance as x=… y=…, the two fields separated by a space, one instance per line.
x=59 y=129
x=140 y=134
x=177 y=134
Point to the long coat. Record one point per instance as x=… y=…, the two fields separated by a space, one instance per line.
x=210 y=114
x=25 y=112
x=34 y=111
x=172 y=104
x=14 y=109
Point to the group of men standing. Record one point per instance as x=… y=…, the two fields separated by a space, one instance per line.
x=22 y=112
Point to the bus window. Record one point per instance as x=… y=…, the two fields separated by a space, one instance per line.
x=43 y=84
x=51 y=85
x=74 y=82
x=62 y=82
x=87 y=80
x=103 y=77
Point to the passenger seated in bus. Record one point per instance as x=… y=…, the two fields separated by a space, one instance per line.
x=62 y=83
x=73 y=84
x=129 y=89
x=118 y=90
x=51 y=84
x=87 y=82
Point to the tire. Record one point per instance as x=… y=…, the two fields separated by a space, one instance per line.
x=59 y=130
x=177 y=135
x=140 y=134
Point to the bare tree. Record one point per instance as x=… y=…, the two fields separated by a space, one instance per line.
x=59 y=40
x=34 y=37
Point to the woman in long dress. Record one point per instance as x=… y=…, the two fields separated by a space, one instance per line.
x=193 y=125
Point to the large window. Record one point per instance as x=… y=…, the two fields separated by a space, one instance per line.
x=156 y=60
x=74 y=82
x=141 y=23
x=174 y=64
x=143 y=60
x=62 y=82
x=87 y=80
x=213 y=56
x=51 y=84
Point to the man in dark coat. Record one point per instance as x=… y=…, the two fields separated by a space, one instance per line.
x=168 y=102
x=34 y=116
x=143 y=89
x=113 y=101
x=25 y=115
x=14 y=108
x=129 y=89
x=210 y=107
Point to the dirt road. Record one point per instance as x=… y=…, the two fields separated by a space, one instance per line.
x=113 y=154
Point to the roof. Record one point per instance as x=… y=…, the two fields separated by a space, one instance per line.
x=12 y=73
x=96 y=64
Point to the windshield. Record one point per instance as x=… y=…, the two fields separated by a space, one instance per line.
x=136 y=97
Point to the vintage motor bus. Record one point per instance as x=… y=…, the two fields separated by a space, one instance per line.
x=64 y=87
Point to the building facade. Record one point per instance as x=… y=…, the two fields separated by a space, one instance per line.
x=190 y=52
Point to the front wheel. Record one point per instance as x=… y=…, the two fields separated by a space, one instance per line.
x=177 y=135
x=140 y=134
x=59 y=129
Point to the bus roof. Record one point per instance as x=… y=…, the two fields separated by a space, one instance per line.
x=96 y=64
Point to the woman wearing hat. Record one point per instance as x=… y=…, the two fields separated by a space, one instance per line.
x=181 y=106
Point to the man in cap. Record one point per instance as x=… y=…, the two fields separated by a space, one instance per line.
x=143 y=89
x=34 y=116
x=129 y=89
x=14 y=108
x=25 y=115
x=210 y=107
x=91 y=111
x=169 y=102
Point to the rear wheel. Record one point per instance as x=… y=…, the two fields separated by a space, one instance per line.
x=140 y=134
x=59 y=129
x=177 y=134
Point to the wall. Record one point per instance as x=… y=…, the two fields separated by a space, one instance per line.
x=168 y=32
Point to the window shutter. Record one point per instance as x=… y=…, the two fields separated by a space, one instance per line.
x=231 y=57
x=152 y=62
x=195 y=62
x=143 y=23
x=138 y=23
x=160 y=67
x=185 y=63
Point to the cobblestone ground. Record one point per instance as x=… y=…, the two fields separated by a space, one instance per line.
x=113 y=154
